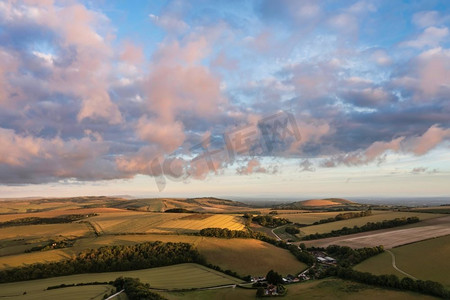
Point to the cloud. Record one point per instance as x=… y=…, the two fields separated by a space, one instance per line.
x=73 y=56
x=22 y=157
x=418 y=170
x=157 y=132
x=254 y=166
x=431 y=37
x=417 y=145
x=420 y=145
x=428 y=18
x=307 y=166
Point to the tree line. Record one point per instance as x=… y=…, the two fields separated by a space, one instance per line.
x=108 y=259
x=391 y=281
x=39 y=221
x=135 y=289
x=345 y=216
x=265 y=220
x=367 y=227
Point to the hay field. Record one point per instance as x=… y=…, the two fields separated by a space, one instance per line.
x=426 y=260
x=146 y=222
x=249 y=256
x=193 y=223
x=182 y=276
x=376 y=217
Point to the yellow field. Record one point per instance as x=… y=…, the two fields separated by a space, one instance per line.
x=220 y=221
x=244 y=256
x=376 y=217
x=182 y=276
x=143 y=222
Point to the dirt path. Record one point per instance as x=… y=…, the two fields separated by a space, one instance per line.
x=276 y=235
x=395 y=266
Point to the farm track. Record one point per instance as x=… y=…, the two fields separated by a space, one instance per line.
x=395 y=266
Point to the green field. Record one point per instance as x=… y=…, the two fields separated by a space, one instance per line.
x=378 y=216
x=426 y=260
x=319 y=289
x=183 y=276
x=92 y=292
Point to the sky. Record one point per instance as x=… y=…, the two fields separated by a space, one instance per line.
x=225 y=98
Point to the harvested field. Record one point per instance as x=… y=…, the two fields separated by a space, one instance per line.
x=390 y=238
x=377 y=216
x=220 y=221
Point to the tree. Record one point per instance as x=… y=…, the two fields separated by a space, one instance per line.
x=273 y=277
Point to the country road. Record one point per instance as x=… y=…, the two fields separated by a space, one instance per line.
x=276 y=235
x=395 y=266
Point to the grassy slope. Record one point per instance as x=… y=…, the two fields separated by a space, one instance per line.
x=426 y=260
x=376 y=217
x=92 y=292
x=321 y=289
x=181 y=276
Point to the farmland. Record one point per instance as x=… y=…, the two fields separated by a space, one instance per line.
x=319 y=289
x=308 y=217
x=183 y=276
x=244 y=256
x=390 y=238
x=426 y=260
x=115 y=222
x=376 y=217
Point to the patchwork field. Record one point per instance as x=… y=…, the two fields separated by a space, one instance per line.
x=426 y=260
x=144 y=222
x=320 y=289
x=183 y=276
x=377 y=216
x=392 y=237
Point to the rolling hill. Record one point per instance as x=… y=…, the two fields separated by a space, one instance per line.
x=326 y=203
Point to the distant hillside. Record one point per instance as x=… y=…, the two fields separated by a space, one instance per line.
x=318 y=203
x=204 y=204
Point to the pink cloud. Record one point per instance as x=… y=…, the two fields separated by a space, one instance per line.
x=81 y=64
x=429 y=140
